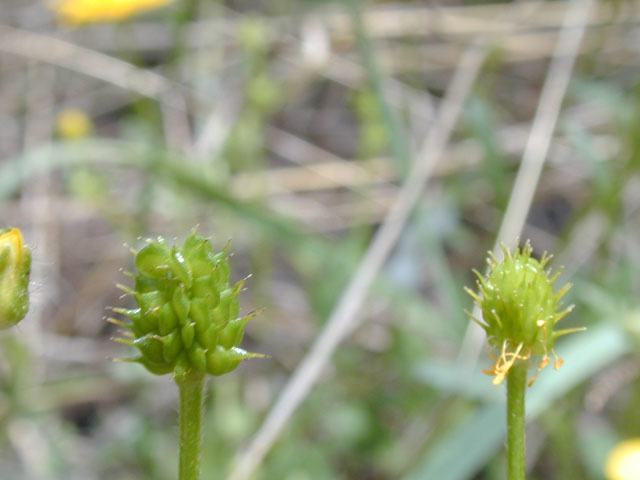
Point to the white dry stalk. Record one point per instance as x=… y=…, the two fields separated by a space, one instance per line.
x=343 y=319
x=37 y=202
x=52 y=50
x=536 y=149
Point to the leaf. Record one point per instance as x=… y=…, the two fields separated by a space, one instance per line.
x=464 y=450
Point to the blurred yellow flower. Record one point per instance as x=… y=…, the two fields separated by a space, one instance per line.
x=73 y=123
x=13 y=238
x=77 y=12
x=623 y=462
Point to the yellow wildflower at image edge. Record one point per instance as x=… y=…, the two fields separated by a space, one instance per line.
x=623 y=462
x=78 y=12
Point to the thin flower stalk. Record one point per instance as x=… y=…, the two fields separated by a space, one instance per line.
x=520 y=311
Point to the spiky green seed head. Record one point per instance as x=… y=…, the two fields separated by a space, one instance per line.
x=187 y=314
x=520 y=309
x=15 y=265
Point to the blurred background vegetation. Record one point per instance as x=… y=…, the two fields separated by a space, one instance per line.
x=290 y=127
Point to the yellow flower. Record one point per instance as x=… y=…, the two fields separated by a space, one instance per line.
x=15 y=264
x=73 y=123
x=78 y=12
x=13 y=237
x=623 y=462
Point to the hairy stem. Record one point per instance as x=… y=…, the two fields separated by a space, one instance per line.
x=191 y=386
x=516 y=384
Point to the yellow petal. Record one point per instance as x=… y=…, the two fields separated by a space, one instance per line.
x=14 y=238
x=77 y=12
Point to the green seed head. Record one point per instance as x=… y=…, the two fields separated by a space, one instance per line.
x=187 y=314
x=519 y=309
x=15 y=265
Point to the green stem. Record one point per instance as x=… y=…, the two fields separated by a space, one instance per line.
x=516 y=384
x=191 y=386
x=399 y=143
